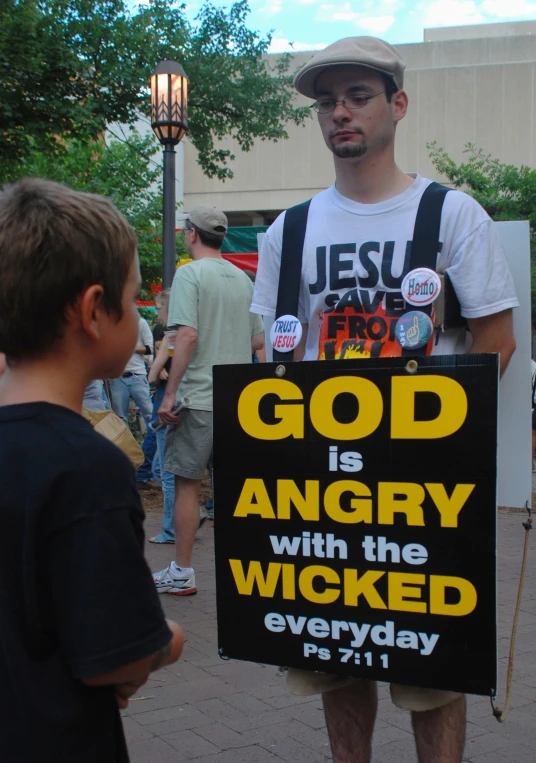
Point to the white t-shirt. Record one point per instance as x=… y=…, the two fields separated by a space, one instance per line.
x=136 y=364
x=357 y=255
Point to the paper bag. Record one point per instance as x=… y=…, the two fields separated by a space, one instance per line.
x=113 y=428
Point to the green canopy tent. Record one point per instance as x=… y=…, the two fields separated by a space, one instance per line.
x=240 y=246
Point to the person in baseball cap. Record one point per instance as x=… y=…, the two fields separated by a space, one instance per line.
x=209 y=220
x=209 y=305
x=357 y=248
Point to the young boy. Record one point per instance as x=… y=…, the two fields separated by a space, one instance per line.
x=81 y=626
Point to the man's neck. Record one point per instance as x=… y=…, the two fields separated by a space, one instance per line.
x=205 y=252
x=370 y=180
x=43 y=381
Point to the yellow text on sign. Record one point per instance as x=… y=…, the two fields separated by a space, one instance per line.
x=406 y=591
x=392 y=498
x=291 y=411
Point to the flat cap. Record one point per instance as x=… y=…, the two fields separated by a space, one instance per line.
x=358 y=51
x=209 y=219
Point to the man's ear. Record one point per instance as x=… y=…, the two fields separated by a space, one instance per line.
x=399 y=104
x=90 y=311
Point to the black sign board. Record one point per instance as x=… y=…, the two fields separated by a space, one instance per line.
x=356 y=517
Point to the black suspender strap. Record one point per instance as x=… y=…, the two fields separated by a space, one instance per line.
x=425 y=243
x=288 y=293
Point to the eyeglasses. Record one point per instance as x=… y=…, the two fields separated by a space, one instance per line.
x=351 y=102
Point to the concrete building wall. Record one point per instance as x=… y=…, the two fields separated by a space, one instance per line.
x=471 y=31
x=479 y=90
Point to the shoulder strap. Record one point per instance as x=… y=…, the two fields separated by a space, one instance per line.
x=427 y=224
x=425 y=243
x=288 y=293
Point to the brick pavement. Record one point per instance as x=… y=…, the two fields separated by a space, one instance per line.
x=205 y=710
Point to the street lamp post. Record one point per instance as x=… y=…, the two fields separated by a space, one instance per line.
x=169 y=120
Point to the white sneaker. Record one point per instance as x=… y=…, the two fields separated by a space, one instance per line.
x=166 y=581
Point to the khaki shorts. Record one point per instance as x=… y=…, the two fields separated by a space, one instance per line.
x=306 y=682
x=189 y=444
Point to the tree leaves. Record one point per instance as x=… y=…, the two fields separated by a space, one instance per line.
x=69 y=68
x=126 y=169
x=505 y=191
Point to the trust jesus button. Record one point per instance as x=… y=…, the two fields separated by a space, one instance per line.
x=285 y=333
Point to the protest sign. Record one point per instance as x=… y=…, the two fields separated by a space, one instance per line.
x=356 y=517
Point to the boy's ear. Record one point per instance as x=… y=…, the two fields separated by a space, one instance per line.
x=90 y=309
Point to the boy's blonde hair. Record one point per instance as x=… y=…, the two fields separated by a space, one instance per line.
x=162 y=299
x=54 y=243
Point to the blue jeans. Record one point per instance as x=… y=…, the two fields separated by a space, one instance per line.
x=135 y=387
x=105 y=399
x=166 y=478
x=150 y=469
x=94 y=396
x=168 y=487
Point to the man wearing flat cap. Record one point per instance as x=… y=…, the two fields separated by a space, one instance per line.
x=209 y=305
x=357 y=249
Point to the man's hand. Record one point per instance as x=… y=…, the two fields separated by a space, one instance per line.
x=123 y=692
x=164 y=412
x=128 y=679
x=163 y=375
x=185 y=343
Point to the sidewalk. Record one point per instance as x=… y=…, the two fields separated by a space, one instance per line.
x=205 y=710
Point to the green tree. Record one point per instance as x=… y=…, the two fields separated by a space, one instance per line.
x=505 y=191
x=68 y=68
x=125 y=172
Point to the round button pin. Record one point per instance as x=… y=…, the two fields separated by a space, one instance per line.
x=413 y=330
x=421 y=287
x=285 y=333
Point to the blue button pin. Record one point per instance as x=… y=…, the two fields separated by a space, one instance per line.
x=413 y=330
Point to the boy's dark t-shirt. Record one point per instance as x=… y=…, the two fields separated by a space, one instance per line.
x=76 y=595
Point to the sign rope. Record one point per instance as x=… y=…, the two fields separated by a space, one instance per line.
x=499 y=714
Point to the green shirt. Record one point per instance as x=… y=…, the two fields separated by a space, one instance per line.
x=213 y=297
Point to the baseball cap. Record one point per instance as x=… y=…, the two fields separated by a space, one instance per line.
x=209 y=219
x=359 y=51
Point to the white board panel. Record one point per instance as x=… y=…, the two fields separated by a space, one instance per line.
x=515 y=446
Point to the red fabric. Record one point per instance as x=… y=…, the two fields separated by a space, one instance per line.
x=244 y=261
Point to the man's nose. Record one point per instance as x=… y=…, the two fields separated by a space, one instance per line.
x=341 y=112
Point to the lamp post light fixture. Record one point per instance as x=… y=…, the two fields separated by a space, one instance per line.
x=169 y=120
